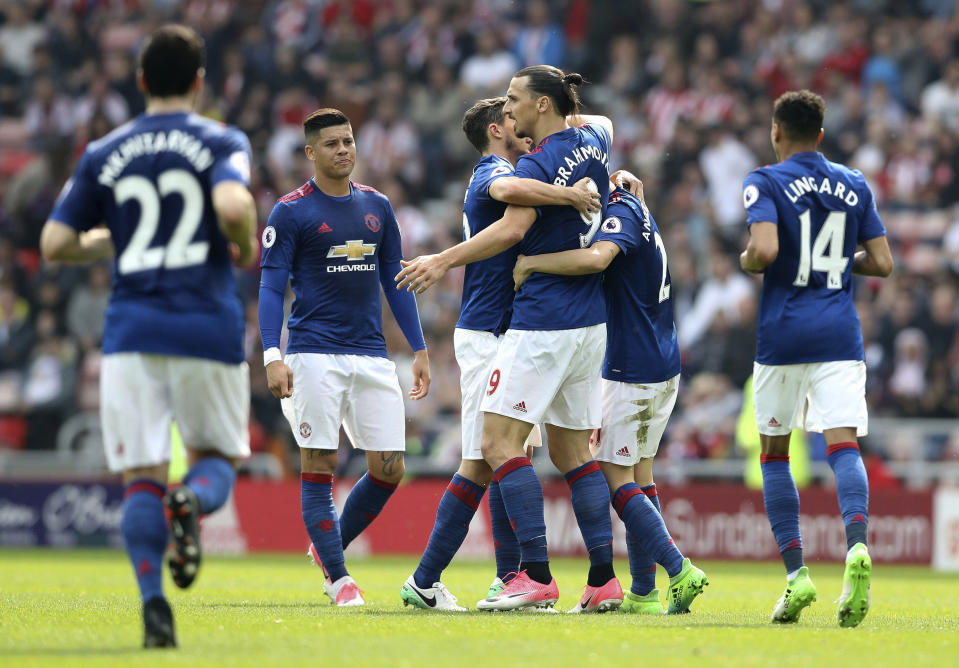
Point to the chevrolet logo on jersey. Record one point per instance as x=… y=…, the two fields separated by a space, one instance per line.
x=354 y=249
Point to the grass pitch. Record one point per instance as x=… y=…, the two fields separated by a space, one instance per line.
x=66 y=608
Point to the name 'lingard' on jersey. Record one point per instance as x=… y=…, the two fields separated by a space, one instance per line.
x=807 y=184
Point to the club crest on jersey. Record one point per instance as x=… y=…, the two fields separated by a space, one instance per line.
x=353 y=250
x=612 y=225
x=372 y=222
x=269 y=236
x=305 y=429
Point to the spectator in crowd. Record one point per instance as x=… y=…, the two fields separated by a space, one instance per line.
x=689 y=85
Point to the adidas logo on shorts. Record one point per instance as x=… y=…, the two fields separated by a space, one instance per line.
x=773 y=422
x=521 y=406
x=623 y=451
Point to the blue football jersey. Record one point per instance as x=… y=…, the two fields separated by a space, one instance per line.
x=822 y=211
x=333 y=248
x=548 y=301
x=487 y=284
x=641 y=344
x=150 y=182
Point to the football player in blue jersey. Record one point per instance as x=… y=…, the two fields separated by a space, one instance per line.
x=640 y=384
x=484 y=316
x=806 y=217
x=337 y=241
x=547 y=368
x=172 y=189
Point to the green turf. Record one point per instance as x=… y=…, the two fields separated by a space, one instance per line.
x=64 y=608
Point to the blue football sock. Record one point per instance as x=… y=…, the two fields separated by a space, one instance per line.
x=144 y=530
x=642 y=566
x=505 y=545
x=211 y=479
x=646 y=525
x=319 y=516
x=589 y=495
x=852 y=489
x=364 y=503
x=453 y=517
x=781 y=499
x=523 y=497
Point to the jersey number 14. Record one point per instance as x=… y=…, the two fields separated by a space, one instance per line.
x=826 y=253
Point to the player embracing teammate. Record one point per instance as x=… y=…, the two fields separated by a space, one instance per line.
x=806 y=217
x=547 y=368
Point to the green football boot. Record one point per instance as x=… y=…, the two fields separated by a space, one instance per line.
x=642 y=605
x=854 y=601
x=800 y=592
x=685 y=587
x=495 y=588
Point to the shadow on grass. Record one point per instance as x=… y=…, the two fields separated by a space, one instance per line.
x=258 y=605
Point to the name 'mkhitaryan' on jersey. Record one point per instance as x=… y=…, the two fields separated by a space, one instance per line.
x=333 y=248
x=550 y=301
x=641 y=343
x=150 y=182
x=487 y=284
x=823 y=210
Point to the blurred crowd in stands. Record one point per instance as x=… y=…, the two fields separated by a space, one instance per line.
x=689 y=86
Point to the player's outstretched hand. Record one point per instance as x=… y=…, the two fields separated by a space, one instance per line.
x=586 y=201
x=623 y=179
x=280 y=379
x=421 y=375
x=521 y=272
x=420 y=273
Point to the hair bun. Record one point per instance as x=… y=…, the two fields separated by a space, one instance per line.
x=573 y=79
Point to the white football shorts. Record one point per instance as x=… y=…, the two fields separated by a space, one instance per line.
x=475 y=352
x=548 y=376
x=361 y=392
x=835 y=392
x=634 y=419
x=140 y=394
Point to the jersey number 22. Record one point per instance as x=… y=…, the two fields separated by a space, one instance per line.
x=181 y=251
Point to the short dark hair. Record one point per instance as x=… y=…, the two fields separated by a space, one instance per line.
x=171 y=59
x=800 y=114
x=322 y=118
x=552 y=82
x=478 y=117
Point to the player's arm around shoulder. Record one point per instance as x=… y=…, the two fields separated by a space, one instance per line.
x=422 y=272
x=576 y=262
x=532 y=192
x=592 y=119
